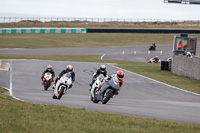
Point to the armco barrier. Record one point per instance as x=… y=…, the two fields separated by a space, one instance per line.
x=41 y=30
x=186 y=66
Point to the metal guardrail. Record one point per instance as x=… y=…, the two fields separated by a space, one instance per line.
x=45 y=19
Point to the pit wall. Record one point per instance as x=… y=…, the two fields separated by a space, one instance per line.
x=41 y=30
x=186 y=66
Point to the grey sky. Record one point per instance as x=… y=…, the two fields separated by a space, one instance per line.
x=136 y=9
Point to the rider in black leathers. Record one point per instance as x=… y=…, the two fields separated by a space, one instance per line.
x=69 y=69
x=50 y=70
x=101 y=70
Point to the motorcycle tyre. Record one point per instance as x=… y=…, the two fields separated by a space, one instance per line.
x=46 y=86
x=54 y=97
x=60 y=93
x=110 y=94
x=95 y=97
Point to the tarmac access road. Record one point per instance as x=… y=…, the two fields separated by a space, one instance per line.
x=111 y=53
x=140 y=96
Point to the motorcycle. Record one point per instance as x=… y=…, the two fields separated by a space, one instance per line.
x=97 y=85
x=62 y=86
x=47 y=80
x=107 y=90
x=153 y=47
x=152 y=60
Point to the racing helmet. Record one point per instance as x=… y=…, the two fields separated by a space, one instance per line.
x=102 y=68
x=69 y=68
x=49 y=67
x=120 y=75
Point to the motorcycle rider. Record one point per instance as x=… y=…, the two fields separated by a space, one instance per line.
x=69 y=69
x=120 y=77
x=156 y=59
x=50 y=70
x=101 y=70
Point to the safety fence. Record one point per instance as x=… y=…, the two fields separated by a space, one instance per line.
x=41 y=30
x=45 y=19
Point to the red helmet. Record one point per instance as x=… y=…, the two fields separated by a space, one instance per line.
x=120 y=75
x=69 y=68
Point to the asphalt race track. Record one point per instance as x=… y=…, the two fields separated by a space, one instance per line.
x=140 y=96
x=111 y=53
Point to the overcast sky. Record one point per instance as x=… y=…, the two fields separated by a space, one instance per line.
x=136 y=9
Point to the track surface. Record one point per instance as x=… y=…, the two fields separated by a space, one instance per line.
x=139 y=97
x=111 y=53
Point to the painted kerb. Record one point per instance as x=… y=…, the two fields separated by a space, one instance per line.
x=41 y=30
x=186 y=66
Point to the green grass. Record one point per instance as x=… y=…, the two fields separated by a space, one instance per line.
x=147 y=69
x=18 y=116
x=84 y=40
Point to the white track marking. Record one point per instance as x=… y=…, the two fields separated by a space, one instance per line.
x=102 y=56
x=10 y=90
x=156 y=81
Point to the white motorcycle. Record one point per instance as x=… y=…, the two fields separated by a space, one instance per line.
x=62 y=86
x=97 y=85
x=152 y=60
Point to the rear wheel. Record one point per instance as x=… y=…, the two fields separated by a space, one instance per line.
x=60 y=93
x=107 y=95
x=46 y=85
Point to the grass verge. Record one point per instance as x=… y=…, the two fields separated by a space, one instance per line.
x=18 y=116
x=149 y=70
x=84 y=40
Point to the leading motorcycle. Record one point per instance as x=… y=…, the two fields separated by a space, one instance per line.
x=47 y=80
x=107 y=90
x=62 y=86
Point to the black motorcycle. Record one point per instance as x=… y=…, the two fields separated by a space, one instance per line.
x=153 y=47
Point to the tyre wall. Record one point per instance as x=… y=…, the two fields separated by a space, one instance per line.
x=186 y=66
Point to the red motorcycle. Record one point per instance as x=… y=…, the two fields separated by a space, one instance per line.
x=47 y=80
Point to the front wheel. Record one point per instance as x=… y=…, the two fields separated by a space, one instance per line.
x=46 y=85
x=95 y=96
x=60 y=93
x=107 y=95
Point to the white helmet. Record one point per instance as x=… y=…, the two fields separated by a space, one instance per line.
x=69 y=68
x=49 y=67
x=102 y=68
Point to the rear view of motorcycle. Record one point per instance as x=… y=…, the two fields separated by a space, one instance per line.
x=62 y=86
x=47 y=80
